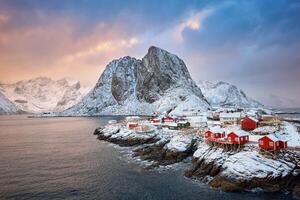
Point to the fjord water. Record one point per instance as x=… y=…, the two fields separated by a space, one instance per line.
x=60 y=158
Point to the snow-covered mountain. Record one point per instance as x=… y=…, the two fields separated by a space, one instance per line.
x=221 y=94
x=158 y=82
x=43 y=94
x=6 y=106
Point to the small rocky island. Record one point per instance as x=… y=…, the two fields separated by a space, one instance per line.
x=234 y=169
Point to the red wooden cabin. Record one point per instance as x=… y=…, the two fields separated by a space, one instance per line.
x=249 y=123
x=155 y=121
x=238 y=137
x=169 y=119
x=215 y=132
x=271 y=142
x=282 y=144
x=132 y=125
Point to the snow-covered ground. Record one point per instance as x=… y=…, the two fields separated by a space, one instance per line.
x=180 y=143
x=290 y=134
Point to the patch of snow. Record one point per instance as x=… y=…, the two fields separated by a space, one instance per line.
x=179 y=143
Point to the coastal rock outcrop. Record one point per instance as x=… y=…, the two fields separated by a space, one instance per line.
x=244 y=170
x=161 y=146
x=232 y=170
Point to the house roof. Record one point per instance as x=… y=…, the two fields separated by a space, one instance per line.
x=217 y=130
x=182 y=122
x=230 y=115
x=271 y=137
x=240 y=133
x=252 y=118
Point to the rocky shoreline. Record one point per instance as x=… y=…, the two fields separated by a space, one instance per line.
x=231 y=171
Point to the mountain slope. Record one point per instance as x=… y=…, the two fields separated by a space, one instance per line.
x=43 y=94
x=158 y=82
x=6 y=106
x=220 y=94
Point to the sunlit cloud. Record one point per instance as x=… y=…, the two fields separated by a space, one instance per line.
x=4 y=18
x=194 y=22
x=103 y=46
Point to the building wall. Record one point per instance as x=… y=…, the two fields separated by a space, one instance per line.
x=248 y=124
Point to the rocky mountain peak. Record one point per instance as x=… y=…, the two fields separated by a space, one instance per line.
x=132 y=86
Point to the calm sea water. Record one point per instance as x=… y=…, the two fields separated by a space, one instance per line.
x=290 y=112
x=60 y=158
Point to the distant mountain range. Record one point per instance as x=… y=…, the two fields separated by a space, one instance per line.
x=159 y=82
x=222 y=94
x=6 y=106
x=43 y=94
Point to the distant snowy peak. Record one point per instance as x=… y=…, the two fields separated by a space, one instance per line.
x=6 y=106
x=220 y=94
x=158 y=82
x=43 y=94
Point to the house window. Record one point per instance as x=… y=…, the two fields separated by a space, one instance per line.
x=271 y=144
x=261 y=142
x=236 y=139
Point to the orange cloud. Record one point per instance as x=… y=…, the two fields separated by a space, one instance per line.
x=56 y=49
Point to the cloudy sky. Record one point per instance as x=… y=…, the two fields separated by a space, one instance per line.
x=253 y=44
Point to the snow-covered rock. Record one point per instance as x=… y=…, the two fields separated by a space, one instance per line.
x=220 y=94
x=241 y=170
x=158 y=82
x=180 y=143
x=6 y=106
x=43 y=94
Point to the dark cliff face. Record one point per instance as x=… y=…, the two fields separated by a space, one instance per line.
x=123 y=81
x=161 y=71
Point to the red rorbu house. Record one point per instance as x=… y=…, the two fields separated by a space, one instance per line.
x=215 y=132
x=132 y=125
x=168 y=119
x=249 y=123
x=154 y=121
x=271 y=142
x=238 y=137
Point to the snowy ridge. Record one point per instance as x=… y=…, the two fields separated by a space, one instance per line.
x=220 y=94
x=6 y=106
x=43 y=94
x=158 y=82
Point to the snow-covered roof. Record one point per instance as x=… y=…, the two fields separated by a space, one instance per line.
x=230 y=115
x=182 y=122
x=252 y=118
x=240 y=133
x=197 y=119
x=216 y=129
x=265 y=129
x=272 y=137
